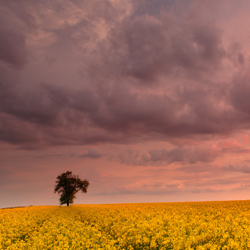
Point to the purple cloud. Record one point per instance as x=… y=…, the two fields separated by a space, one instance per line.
x=12 y=48
x=162 y=84
x=119 y=78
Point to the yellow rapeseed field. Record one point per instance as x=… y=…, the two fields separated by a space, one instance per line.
x=190 y=225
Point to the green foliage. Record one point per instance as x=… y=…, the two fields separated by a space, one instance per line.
x=67 y=185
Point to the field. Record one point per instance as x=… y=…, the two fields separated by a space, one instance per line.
x=191 y=225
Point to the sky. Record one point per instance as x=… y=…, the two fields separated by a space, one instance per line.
x=148 y=100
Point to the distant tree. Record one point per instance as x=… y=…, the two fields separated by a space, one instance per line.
x=67 y=185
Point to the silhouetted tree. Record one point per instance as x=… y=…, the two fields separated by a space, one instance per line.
x=67 y=185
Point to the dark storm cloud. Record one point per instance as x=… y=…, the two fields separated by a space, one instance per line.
x=17 y=132
x=12 y=48
x=240 y=92
x=41 y=105
x=147 y=48
x=134 y=77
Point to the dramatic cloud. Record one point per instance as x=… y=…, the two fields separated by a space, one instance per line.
x=12 y=48
x=240 y=93
x=128 y=84
x=147 y=48
x=174 y=54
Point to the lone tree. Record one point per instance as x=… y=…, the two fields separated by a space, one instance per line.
x=67 y=185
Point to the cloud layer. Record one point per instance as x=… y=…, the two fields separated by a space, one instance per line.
x=133 y=76
x=124 y=74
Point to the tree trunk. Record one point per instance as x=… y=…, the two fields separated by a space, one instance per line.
x=67 y=203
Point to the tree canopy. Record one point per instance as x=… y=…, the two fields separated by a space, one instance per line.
x=67 y=185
